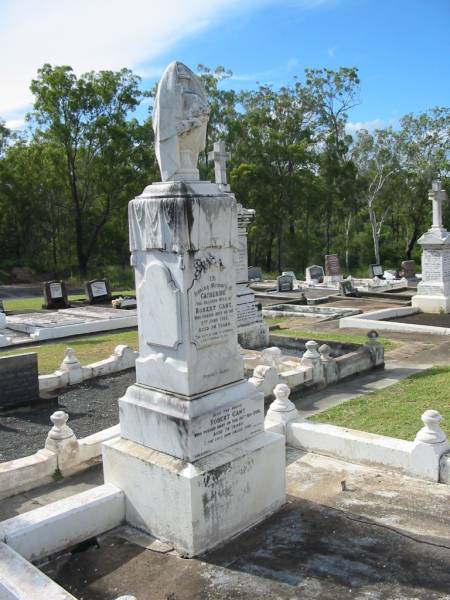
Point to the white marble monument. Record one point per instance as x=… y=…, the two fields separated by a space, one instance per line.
x=193 y=459
x=433 y=292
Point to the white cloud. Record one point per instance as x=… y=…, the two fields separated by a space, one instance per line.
x=353 y=128
x=93 y=35
x=331 y=51
x=15 y=123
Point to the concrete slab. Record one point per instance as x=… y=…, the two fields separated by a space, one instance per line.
x=385 y=537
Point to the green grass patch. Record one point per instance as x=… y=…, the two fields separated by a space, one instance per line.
x=88 y=349
x=332 y=336
x=32 y=304
x=396 y=410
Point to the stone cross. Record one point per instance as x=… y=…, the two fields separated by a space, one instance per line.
x=220 y=156
x=437 y=195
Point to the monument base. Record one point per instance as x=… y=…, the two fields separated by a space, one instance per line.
x=197 y=506
x=254 y=336
x=432 y=304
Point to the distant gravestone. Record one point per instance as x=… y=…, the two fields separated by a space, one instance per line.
x=254 y=274
x=376 y=271
x=55 y=295
x=98 y=290
x=19 y=383
x=314 y=274
x=285 y=283
x=347 y=289
x=408 y=269
x=332 y=265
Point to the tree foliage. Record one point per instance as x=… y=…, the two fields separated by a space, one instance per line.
x=66 y=182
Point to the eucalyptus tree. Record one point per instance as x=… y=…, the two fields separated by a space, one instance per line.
x=87 y=117
x=376 y=157
x=424 y=154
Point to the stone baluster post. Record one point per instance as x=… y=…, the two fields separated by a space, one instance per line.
x=311 y=358
x=430 y=444
x=329 y=366
x=62 y=441
x=281 y=411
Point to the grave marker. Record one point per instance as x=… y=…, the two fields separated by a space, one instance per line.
x=254 y=274
x=408 y=269
x=55 y=295
x=433 y=292
x=376 y=271
x=98 y=290
x=285 y=283
x=19 y=382
x=332 y=265
x=314 y=274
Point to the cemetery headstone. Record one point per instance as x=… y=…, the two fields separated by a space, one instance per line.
x=332 y=266
x=376 y=271
x=19 y=383
x=98 y=290
x=190 y=400
x=254 y=274
x=285 y=283
x=55 y=295
x=314 y=274
x=293 y=275
x=347 y=289
x=433 y=292
x=408 y=269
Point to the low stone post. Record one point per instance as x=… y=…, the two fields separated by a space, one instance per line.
x=281 y=411
x=376 y=349
x=329 y=366
x=265 y=378
x=311 y=358
x=62 y=441
x=430 y=444
x=72 y=366
x=271 y=356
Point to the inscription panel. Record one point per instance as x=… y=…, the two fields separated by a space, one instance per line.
x=212 y=304
x=19 y=383
x=227 y=426
x=240 y=260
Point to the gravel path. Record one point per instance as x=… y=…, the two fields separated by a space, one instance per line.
x=92 y=406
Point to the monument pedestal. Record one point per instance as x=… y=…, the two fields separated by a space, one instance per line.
x=433 y=292
x=197 y=506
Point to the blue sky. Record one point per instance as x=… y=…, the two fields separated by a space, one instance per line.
x=401 y=47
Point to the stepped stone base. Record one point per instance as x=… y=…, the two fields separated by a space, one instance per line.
x=197 y=506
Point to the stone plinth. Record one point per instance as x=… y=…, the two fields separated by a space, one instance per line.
x=433 y=292
x=196 y=506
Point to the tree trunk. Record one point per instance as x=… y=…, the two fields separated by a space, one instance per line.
x=375 y=235
x=411 y=242
x=269 y=253
x=347 y=242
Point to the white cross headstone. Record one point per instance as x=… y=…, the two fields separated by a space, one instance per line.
x=437 y=195
x=220 y=156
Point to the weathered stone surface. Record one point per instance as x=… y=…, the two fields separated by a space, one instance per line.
x=19 y=383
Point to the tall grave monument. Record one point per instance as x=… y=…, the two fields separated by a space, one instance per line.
x=252 y=331
x=433 y=292
x=193 y=459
